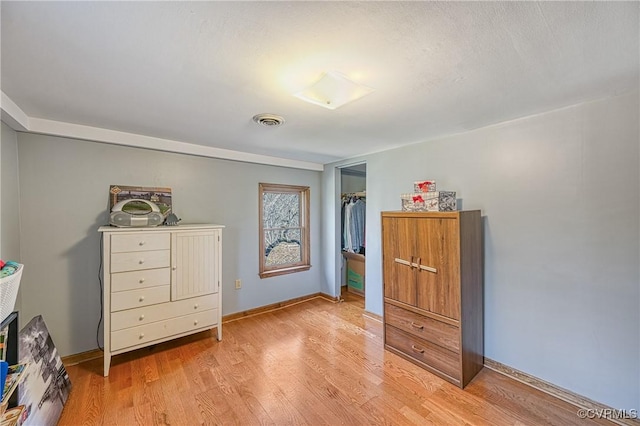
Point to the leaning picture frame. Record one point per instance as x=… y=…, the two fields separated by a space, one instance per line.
x=46 y=384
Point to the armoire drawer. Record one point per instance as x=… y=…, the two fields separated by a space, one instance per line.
x=145 y=334
x=426 y=328
x=141 y=297
x=135 y=261
x=140 y=242
x=133 y=280
x=426 y=352
x=148 y=314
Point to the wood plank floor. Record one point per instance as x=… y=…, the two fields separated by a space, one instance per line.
x=314 y=363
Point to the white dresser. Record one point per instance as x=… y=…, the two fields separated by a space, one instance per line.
x=159 y=284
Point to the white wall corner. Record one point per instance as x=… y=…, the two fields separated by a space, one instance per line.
x=12 y=115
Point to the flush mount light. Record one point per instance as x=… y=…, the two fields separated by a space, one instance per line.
x=268 y=120
x=333 y=90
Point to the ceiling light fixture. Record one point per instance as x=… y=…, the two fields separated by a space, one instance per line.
x=268 y=120
x=333 y=90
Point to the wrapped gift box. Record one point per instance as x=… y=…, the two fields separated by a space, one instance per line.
x=424 y=186
x=435 y=201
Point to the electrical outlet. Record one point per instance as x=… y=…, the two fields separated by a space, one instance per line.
x=238 y=284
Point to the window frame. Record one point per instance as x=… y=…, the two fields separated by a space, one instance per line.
x=304 y=194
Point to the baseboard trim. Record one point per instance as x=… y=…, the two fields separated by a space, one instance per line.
x=276 y=306
x=556 y=391
x=372 y=316
x=70 y=360
x=332 y=299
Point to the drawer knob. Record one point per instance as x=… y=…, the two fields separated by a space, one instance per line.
x=141 y=336
x=195 y=322
x=141 y=243
x=173 y=268
x=141 y=261
x=195 y=306
x=418 y=326
x=141 y=299
x=417 y=349
x=141 y=280
x=141 y=317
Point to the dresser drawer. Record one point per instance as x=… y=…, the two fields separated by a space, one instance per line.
x=435 y=356
x=145 y=334
x=140 y=297
x=426 y=328
x=140 y=242
x=134 y=261
x=122 y=281
x=148 y=314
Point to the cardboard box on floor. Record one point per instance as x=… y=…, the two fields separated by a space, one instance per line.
x=355 y=272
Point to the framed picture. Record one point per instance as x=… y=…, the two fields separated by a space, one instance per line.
x=159 y=196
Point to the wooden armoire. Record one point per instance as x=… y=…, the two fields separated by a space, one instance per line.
x=433 y=291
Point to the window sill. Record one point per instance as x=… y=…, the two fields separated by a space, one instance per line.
x=283 y=271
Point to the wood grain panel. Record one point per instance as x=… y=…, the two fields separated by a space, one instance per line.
x=437 y=247
x=422 y=312
x=472 y=290
x=399 y=279
x=424 y=351
x=426 y=328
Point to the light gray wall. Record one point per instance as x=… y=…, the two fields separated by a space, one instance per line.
x=64 y=195
x=4 y=133
x=331 y=250
x=560 y=195
x=353 y=183
x=9 y=201
x=9 y=207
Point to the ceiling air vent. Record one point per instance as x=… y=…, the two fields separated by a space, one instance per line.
x=269 y=120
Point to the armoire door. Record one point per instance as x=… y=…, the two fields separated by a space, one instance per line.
x=398 y=252
x=438 y=276
x=194 y=263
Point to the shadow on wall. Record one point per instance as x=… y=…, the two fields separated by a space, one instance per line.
x=488 y=290
x=232 y=270
x=85 y=287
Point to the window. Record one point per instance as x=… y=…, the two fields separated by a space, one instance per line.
x=284 y=229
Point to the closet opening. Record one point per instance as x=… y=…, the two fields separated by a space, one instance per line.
x=353 y=201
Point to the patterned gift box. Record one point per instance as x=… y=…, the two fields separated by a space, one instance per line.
x=435 y=201
x=424 y=186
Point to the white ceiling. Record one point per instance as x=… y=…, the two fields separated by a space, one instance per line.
x=196 y=72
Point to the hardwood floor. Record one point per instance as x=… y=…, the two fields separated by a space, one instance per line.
x=314 y=363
